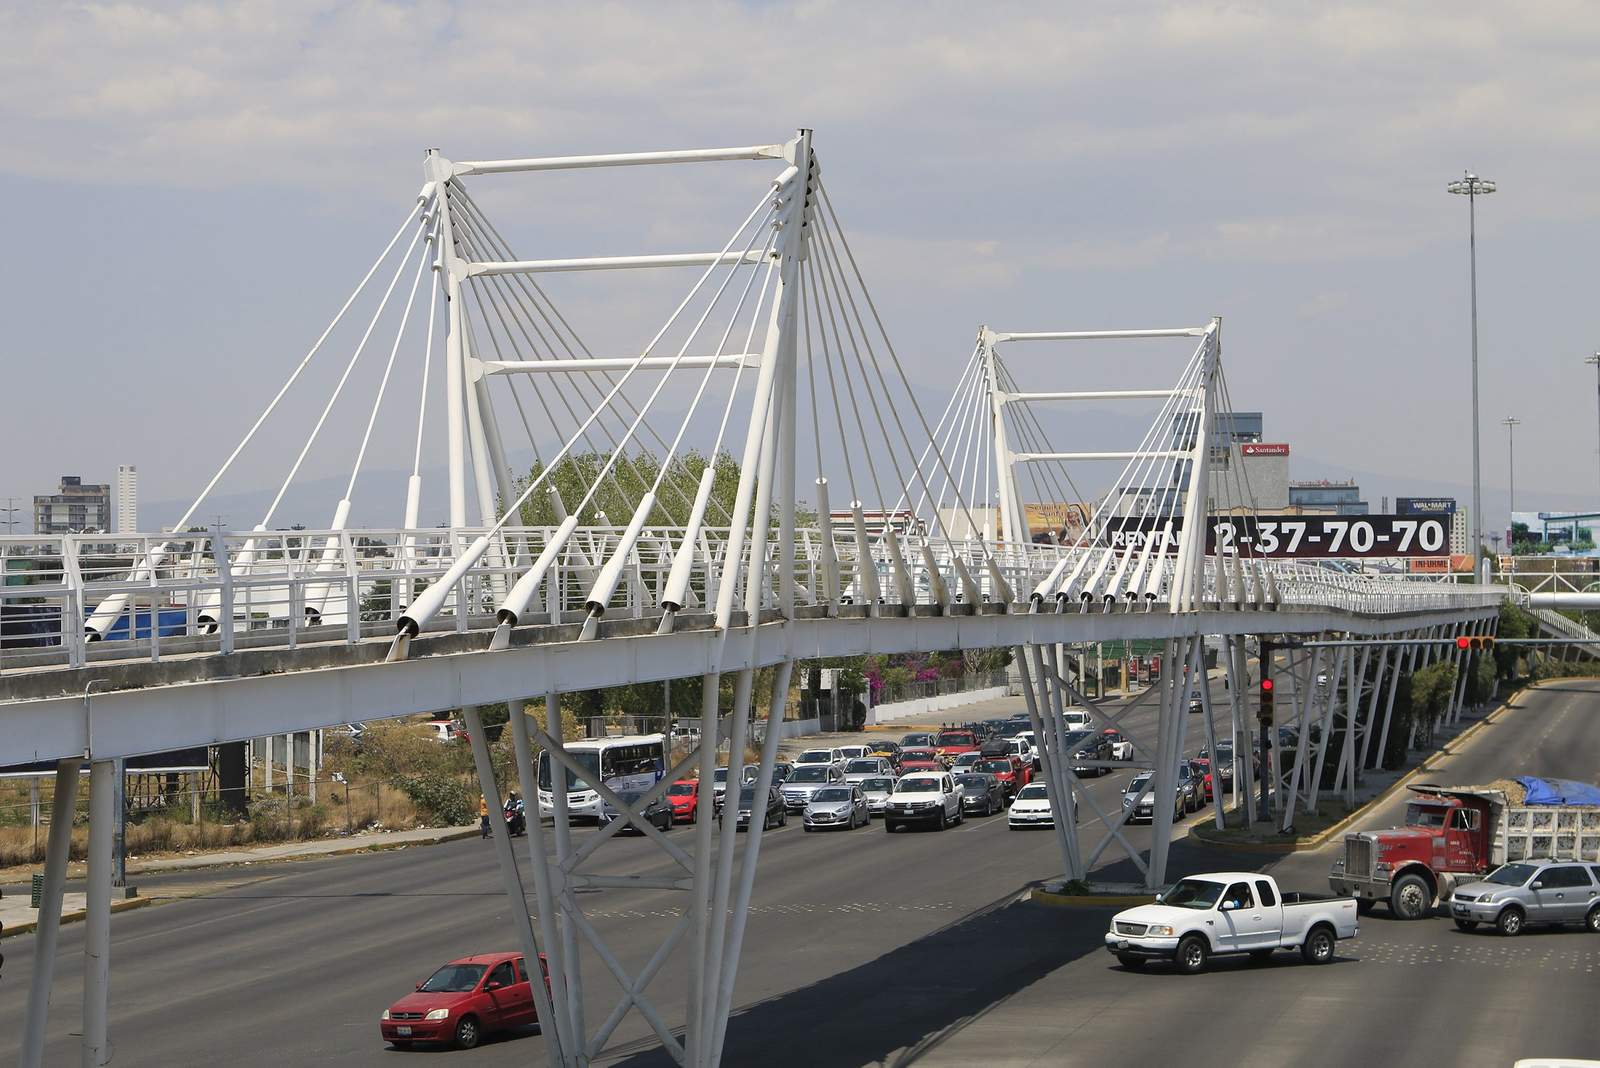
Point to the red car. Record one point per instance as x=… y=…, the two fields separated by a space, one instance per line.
x=463 y=1001
x=1203 y=764
x=1009 y=770
x=953 y=743
x=684 y=797
x=920 y=759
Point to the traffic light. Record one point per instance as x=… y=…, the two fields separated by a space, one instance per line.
x=1476 y=645
x=1265 y=715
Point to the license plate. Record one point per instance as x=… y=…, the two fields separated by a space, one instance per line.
x=402 y=1030
x=1461 y=909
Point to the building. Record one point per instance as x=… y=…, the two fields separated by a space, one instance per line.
x=127 y=499
x=75 y=508
x=1559 y=528
x=1246 y=471
x=1326 y=497
x=1439 y=506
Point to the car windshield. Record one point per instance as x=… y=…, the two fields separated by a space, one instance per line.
x=995 y=767
x=918 y=786
x=878 y=785
x=815 y=756
x=747 y=795
x=453 y=979
x=832 y=793
x=977 y=783
x=1192 y=894
x=721 y=774
x=918 y=754
x=957 y=738
x=1139 y=783
x=681 y=789
x=811 y=774
x=862 y=765
x=916 y=739
x=1034 y=792
x=1511 y=874
x=1425 y=815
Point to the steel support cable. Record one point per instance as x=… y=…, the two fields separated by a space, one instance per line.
x=339 y=387
x=959 y=435
x=505 y=300
x=827 y=204
x=946 y=435
x=1029 y=416
x=811 y=290
x=501 y=301
x=533 y=294
x=388 y=368
x=850 y=394
x=427 y=363
x=971 y=448
x=188 y=514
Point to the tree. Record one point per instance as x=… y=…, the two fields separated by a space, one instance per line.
x=618 y=495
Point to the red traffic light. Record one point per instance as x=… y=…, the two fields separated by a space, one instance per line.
x=1266 y=685
x=1463 y=643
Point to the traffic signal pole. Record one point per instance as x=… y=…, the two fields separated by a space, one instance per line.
x=1264 y=716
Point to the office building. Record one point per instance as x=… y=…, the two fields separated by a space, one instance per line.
x=1327 y=497
x=127 y=499
x=73 y=509
x=1247 y=472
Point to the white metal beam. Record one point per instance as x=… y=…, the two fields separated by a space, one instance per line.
x=587 y=364
x=611 y=263
x=616 y=159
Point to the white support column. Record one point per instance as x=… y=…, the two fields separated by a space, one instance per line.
x=97 y=914
x=1047 y=762
x=1164 y=780
x=48 y=923
x=1330 y=704
x=696 y=1040
x=1303 y=705
x=1385 y=654
x=1211 y=735
x=1244 y=752
x=562 y=831
x=1012 y=513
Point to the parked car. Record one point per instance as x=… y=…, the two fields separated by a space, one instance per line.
x=1204 y=916
x=445 y=730
x=463 y=1001
x=967 y=762
x=866 y=768
x=1139 y=799
x=774 y=813
x=807 y=780
x=657 y=813
x=1031 y=808
x=923 y=797
x=1121 y=747
x=1007 y=771
x=920 y=759
x=981 y=794
x=684 y=797
x=820 y=756
x=833 y=807
x=1543 y=892
x=1086 y=746
x=877 y=791
x=952 y=743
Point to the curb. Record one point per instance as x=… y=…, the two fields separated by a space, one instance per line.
x=372 y=847
x=1040 y=896
x=1322 y=837
x=77 y=917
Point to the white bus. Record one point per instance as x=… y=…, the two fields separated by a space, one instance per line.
x=627 y=763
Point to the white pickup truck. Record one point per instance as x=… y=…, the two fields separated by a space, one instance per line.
x=1229 y=912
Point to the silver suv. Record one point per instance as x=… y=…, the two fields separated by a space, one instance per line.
x=1530 y=891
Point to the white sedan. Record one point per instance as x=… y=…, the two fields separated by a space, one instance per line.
x=1031 y=808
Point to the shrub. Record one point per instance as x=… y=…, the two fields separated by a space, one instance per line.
x=441 y=798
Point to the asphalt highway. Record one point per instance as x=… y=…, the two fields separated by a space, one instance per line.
x=862 y=948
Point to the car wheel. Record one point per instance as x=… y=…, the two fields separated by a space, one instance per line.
x=1319 y=946
x=1467 y=925
x=1129 y=961
x=1510 y=921
x=1410 y=898
x=1591 y=922
x=889 y=826
x=783 y=818
x=808 y=828
x=468 y=1033
x=1191 y=955
x=944 y=821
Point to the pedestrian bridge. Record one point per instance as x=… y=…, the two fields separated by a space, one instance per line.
x=676 y=522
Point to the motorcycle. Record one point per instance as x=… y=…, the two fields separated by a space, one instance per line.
x=516 y=818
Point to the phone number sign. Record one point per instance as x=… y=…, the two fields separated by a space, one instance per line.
x=1296 y=537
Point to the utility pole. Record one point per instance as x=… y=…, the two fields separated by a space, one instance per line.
x=1595 y=360
x=1471 y=186
x=1511 y=423
x=8 y=514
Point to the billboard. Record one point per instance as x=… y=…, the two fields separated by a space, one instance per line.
x=1264 y=448
x=1425 y=505
x=1293 y=537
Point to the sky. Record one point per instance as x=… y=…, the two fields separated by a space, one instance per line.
x=195 y=188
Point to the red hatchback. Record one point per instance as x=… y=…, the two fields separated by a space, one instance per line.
x=684 y=797
x=920 y=759
x=463 y=1001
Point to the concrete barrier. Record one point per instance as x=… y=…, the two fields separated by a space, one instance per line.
x=893 y=711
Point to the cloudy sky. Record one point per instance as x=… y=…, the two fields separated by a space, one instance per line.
x=193 y=189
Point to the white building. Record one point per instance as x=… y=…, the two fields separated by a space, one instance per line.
x=127 y=499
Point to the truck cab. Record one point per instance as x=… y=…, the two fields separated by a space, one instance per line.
x=1444 y=838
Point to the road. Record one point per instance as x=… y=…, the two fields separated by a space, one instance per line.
x=863 y=948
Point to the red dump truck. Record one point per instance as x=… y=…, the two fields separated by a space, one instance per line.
x=1454 y=835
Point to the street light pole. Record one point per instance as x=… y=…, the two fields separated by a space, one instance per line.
x=1595 y=359
x=1471 y=187
x=1511 y=423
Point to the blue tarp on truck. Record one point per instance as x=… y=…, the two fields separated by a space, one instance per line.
x=1558 y=791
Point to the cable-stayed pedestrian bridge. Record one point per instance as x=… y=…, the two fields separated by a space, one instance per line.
x=756 y=480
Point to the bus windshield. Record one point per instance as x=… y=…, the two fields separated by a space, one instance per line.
x=630 y=765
